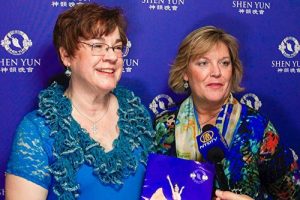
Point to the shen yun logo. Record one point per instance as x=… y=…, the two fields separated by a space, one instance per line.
x=161 y=103
x=289 y=47
x=251 y=7
x=164 y=5
x=129 y=63
x=199 y=175
x=251 y=100
x=16 y=42
x=129 y=46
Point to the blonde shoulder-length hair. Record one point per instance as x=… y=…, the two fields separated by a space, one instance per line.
x=196 y=44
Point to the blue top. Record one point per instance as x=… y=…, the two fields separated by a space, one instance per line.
x=52 y=150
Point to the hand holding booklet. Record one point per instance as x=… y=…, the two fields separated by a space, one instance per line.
x=171 y=178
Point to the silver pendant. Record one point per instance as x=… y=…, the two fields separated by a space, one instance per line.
x=94 y=128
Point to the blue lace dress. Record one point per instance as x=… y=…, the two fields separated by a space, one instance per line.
x=52 y=150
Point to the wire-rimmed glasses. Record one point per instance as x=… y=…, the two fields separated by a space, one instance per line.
x=100 y=49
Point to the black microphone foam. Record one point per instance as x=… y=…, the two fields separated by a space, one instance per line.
x=216 y=155
x=207 y=127
x=213 y=148
x=210 y=138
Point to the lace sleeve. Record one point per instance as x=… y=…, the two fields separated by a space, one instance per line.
x=279 y=168
x=29 y=155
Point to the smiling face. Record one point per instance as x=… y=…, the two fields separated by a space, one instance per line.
x=99 y=73
x=210 y=75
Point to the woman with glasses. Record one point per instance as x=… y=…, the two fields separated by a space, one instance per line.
x=210 y=124
x=89 y=139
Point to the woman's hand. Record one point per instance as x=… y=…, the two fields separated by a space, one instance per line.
x=227 y=195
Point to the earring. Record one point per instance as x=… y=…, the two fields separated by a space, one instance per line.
x=186 y=85
x=68 y=72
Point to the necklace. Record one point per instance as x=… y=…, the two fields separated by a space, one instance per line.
x=211 y=117
x=94 y=123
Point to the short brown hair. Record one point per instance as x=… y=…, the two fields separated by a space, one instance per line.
x=87 y=21
x=196 y=44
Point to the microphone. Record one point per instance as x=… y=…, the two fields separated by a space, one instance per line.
x=210 y=138
x=216 y=155
x=213 y=148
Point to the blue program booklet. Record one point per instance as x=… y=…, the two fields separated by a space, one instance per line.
x=171 y=178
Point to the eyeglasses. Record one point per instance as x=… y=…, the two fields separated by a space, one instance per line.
x=100 y=49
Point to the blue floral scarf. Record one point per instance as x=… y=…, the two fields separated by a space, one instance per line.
x=187 y=128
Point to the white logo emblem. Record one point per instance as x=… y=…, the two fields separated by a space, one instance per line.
x=289 y=47
x=251 y=100
x=129 y=63
x=199 y=176
x=161 y=103
x=129 y=46
x=16 y=42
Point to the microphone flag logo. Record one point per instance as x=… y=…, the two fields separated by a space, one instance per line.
x=206 y=136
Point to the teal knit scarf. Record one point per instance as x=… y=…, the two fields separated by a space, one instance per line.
x=72 y=145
